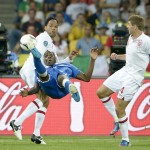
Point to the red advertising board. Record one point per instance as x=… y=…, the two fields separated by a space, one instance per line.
x=66 y=117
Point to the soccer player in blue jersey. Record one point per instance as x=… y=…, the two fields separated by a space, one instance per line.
x=54 y=81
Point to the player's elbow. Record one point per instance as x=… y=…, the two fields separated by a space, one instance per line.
x=87 y=79
x=84 y=77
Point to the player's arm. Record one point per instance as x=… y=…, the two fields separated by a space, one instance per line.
x=71 y=56
x=32 y=91
x=87 y=76
x=115 y=56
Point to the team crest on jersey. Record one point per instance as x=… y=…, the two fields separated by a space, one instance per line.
x=139 y=43
x=45 y=43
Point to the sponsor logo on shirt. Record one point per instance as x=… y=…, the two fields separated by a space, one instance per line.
x=45 y=43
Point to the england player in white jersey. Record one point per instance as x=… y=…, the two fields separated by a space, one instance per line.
x=127 y=80
x=44 y=43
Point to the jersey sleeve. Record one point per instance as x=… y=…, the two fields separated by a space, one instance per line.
x=148 y=47
x=75 y=71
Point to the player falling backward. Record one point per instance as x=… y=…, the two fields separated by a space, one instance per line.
x=53 y=81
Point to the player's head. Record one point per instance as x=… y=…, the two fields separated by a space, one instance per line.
x=135 y=23
x=49 y=58
x=51 y=26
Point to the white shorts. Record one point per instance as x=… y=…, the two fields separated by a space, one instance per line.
x=122 y=83
x=28 y=75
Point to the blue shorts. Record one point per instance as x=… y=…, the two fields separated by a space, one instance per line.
x=51 y=87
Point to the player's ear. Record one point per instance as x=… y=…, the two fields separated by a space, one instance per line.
x=135 y=27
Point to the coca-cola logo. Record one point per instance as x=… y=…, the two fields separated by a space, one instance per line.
x=8 y=111
x=139 y=109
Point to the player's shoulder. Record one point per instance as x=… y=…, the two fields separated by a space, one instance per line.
x=144 y=41
x=44 y=38
x=145 y=37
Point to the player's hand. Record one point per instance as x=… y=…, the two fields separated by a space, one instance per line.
x=73 y=54
x=31 y=44
x=24 y=92
x=113 y=56
x=94 y=53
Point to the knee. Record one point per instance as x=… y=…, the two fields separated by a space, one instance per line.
x=46 y=103
x=100 y=93
x=60 y=78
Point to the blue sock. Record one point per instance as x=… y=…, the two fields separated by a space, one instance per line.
x=67 y=85
x=36 y=53
x=39 y=66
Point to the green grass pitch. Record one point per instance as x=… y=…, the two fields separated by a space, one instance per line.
x=74 y=143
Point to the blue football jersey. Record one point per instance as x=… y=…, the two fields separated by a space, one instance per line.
x=51 y=87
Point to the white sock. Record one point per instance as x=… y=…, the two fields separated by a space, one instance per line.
x=39 y=119
x=123 y=122
x=110 y=106
x=31 y=109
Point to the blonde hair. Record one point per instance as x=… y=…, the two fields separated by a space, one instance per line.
x=138 y=21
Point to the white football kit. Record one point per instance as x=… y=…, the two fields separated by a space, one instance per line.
x=44 y=43
x=128 y=79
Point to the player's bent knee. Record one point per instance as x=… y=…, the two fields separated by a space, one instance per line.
x=61 y=78
x=46 y=103
x=100 y=93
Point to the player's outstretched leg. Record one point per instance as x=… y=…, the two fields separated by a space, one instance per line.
x=116 y=129
x=37 y=139
x=71 y=88
x=74 y=92
x=40 y=68
x=34 y=51
x=16 y=129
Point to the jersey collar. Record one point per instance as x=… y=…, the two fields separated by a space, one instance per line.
x=134 y=39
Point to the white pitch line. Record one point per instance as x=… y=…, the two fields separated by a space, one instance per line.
x=70 y=140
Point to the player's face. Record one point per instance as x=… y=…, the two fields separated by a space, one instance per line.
x=52 y=28
x=131 y=27
x=49 y=58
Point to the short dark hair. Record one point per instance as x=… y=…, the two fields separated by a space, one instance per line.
x=138 y=21
x=48 y=19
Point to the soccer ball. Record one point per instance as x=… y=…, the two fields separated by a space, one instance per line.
x=25 y=39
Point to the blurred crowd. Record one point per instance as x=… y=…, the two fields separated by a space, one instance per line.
x=83 y=24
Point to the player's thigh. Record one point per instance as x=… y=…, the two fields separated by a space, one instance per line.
x=111 y=84
x=114 y=82
x=128 y=89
